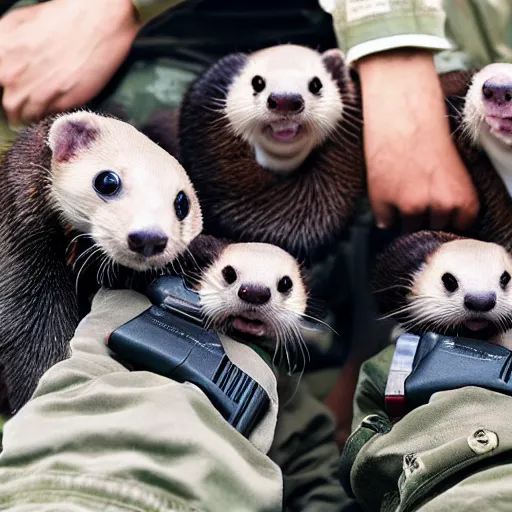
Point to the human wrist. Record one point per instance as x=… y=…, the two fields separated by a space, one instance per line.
x=402 y=79
x=119 y=16
x=404 y=61
x=127 y=15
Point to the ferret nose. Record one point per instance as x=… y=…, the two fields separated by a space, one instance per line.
x=254 y=294
x=285 y=103
x=497 y=91
x=148 y=243
x=481 y=302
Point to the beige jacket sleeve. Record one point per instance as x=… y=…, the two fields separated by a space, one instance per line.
x=365 y=27
x=96 y=436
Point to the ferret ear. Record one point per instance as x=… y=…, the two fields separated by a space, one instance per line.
x=71 y=133
x=334 y=62
x=456 y=83
x=202 y=251
x=215 y=82
x=396 y=265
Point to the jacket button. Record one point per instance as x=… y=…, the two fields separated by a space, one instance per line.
x=482 y=441
x=376 y=423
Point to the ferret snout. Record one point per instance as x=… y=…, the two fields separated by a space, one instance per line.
x=480 y=302
x=254 y=294
x=285 y=103
x=497 y=96
x=147 y=242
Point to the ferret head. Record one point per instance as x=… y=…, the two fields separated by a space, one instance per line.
x=488 y=105
x=254 y=291
x=111 y=182
x=285 y=102
x=463 y=288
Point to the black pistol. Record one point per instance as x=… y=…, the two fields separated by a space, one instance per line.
x=424 y=365
x=169 y=339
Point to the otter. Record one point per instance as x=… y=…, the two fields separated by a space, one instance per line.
x=88 y=176
x=440 y=282
x=272 y=142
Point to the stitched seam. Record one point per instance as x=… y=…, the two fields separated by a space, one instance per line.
x=128 y=491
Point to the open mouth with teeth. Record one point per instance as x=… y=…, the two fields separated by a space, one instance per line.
x=284 y=130
x=249 y=324
x=499 y=124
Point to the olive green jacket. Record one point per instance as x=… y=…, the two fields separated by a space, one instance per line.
x=455 y=453
x=96 y=435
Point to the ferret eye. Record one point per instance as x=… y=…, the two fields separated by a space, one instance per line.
x=229 y=274
x=258 y=84
x=181 y=205
x=315 y=85
x=504 y=279
x=285 y=285
x=450 y=283
x=107 y=183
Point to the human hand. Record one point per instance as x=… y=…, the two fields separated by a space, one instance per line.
x=60 y=54
x=412 y=163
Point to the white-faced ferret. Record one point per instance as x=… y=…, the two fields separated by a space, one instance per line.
x=272 y=142
x=434 y=281
x=480 y=107
x=256 y=292
x=487 y=116
x=78 y=173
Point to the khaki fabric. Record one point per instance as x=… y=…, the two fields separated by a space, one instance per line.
x=455 y=453
x=98 y=437
x=149 y=9
x=136 y=439
x=466 y=33
x=369 y=26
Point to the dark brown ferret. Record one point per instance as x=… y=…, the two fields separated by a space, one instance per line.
x=480 y=116
x=272 y=142
x=84 y=174
x=435 y=281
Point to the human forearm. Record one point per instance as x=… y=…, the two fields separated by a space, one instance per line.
x=413 y=167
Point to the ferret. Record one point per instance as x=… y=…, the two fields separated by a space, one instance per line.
x=481 y=112
x=256 y=292
x=439 y=282
x=487 y=116
x=272 y=142
x=79 y=173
